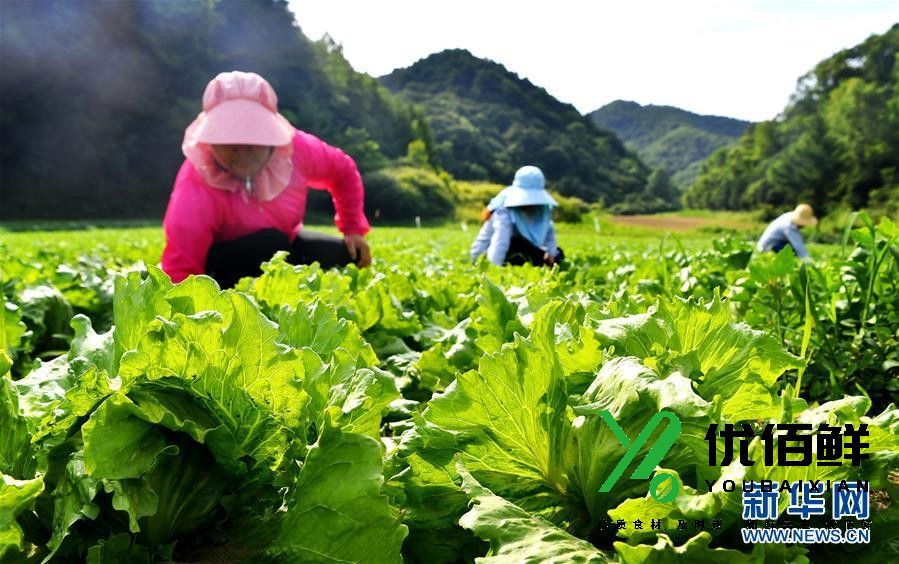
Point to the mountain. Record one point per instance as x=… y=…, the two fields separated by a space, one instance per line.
x=836 y=144
x=487 y=122
x=667 y=137
x=95 y=97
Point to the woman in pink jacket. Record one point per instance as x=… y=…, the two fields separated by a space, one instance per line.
x=240 y=195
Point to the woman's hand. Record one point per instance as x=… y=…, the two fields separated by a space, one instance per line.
x=548 y=259
x=358 y=248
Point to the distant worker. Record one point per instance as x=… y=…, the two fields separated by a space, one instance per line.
x=518 y=225
x=784 y=231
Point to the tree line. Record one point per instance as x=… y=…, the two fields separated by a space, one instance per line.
x=95 y=97
x=487 y=122
x=836 y=144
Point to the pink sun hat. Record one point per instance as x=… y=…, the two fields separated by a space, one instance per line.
x=241 y=108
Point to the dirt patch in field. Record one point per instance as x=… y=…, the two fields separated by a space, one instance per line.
x=674 y=223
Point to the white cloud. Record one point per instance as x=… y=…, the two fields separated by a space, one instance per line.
x=738 y=58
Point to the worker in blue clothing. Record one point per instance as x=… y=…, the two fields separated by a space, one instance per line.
x=784 y=231
x=519 y=227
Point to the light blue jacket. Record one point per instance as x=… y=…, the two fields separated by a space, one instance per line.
x=496 y=235
x=780 y=233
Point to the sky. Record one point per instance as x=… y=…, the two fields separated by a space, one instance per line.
x=735 y=58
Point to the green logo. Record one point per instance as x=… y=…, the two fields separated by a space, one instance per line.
x=652 y=458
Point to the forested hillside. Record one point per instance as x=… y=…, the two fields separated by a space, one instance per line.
x=487 y=122
x=104 y=90
x=836 y=144
x=669 y=138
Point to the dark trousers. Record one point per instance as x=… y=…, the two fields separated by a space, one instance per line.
x=228 y=262
x=522 y=251
x=780 y=245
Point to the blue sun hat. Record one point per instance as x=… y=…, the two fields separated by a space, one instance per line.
x=527 y=189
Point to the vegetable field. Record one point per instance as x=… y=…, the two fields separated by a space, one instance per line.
x=427 y=409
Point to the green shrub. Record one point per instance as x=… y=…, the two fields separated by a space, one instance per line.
x=641 y=204
x=473 y=197
x=402 y=193
x=571 y=209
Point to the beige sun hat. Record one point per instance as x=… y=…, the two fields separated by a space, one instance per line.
x=804 y=216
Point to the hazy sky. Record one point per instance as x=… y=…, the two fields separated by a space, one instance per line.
x=737 y=58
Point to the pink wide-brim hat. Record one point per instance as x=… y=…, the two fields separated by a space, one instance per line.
x=241 y=108
x=243 y=122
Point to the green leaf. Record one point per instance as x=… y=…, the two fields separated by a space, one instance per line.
x=735 y=362
x=258 y=440
x=89 y=389
x=15 y=497
x=765 y=267
x=73 y=493
x=338 y=513
x=576 y=343
x=196 y=294
x=697 y=550
x=496 y=318
x=511 y=426
x=431 y=500
x=318 y=327
x=509 y=420
x=352 y=397
x=283 y=284
x=89 y=348
x=455 y=351
x=16 y=452
x=191 y=491
x=690 y=504
x=883 y=450
x=5 y=363
x=239 y=371
x=118 y=444
x=137 y=302
x=13 y=331
x=633 y=394
x=134 y=498
x=118 y=549
x=518 y=536
x=242 y=354
x=46 y=310
x=431 y=497
x=44 y=390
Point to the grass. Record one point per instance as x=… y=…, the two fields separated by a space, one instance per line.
x=130 y=240
x=75 y=225
x=733 y=216
x=126 y=245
